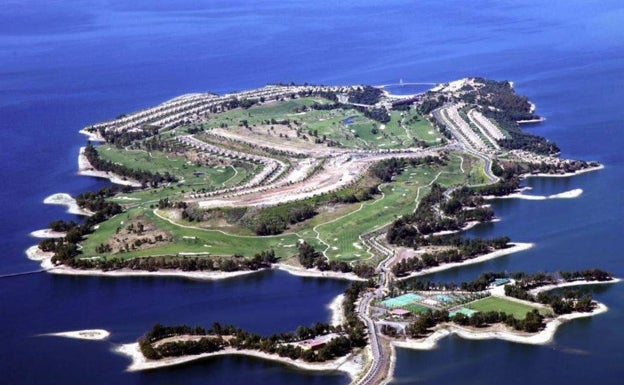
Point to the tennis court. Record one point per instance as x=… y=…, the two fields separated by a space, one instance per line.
x=444 y=298
x=401 y=300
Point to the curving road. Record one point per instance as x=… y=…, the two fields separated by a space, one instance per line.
x=487 y=161
x=379 y=359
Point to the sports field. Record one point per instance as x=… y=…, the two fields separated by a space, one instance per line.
x=518 y=310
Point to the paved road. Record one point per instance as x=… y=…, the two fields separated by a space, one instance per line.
x=487 y=161
x=379 y=356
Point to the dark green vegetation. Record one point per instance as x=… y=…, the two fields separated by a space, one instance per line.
x=438 y=213
x=564 y=303
x=498 y=101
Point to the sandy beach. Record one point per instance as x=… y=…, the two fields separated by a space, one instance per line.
x=315 y=273
x=87 y=334
x=92 y=136
x=47 y=233
x=337 y=316
x=350 y=364
x=571 y=284
x=517 y=247
x=574 y=193
x=86 y=169
x=66 y=200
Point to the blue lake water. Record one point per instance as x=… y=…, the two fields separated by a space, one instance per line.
x=64 y=65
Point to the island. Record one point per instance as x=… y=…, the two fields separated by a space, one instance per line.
x=346 y=182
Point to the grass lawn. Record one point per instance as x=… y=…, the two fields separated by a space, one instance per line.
x=188 y=240
x=415 y=308
x=190 y=176
x=399 y=198
x=330 y=123
x=518 y=310
x=338 y=231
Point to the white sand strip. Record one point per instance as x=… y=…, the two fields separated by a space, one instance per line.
x=337 y=316
x=575 y=193
x=86 y=169
x=315 y=273
x=36 y=254
x=47 y=233
x=350 y=364
x=517 y=247
x=572 y=284
x=64 y=199
x=87 y=334
x=92 y=136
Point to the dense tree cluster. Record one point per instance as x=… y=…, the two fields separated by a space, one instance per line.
x=277 y=219
x=125 y=137
x=430 y=103
x=436 y=213
x=379 y=114
x=386 y=169
x=365 y=95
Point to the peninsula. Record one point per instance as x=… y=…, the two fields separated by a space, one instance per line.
x=346 y=182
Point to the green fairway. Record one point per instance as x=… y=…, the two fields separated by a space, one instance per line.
x=191 y=240
x=190 y=175
x=347 y=126
x=399 y=197
x=518 y=310
x=336 y=232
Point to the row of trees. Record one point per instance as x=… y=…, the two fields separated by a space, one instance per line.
x=260 y=260
x=482 y=282
x=351 y=335
x=421 y=327
x=469 y=248
x=566 y=302
x=145 y=177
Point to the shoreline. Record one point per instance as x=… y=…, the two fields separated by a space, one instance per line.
x=45 y=258
x=46 y=263
x=86 y=169
x=314 y=273
x=92 y=136
x=529 y=121
x=337 y=311
x=570 y=194
x=348 y=364
x=47 y=233
x=565 y=175
x=64 y=199
x=542 y=337
x=87 y=334
x=572 y=284
x=517 y=247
